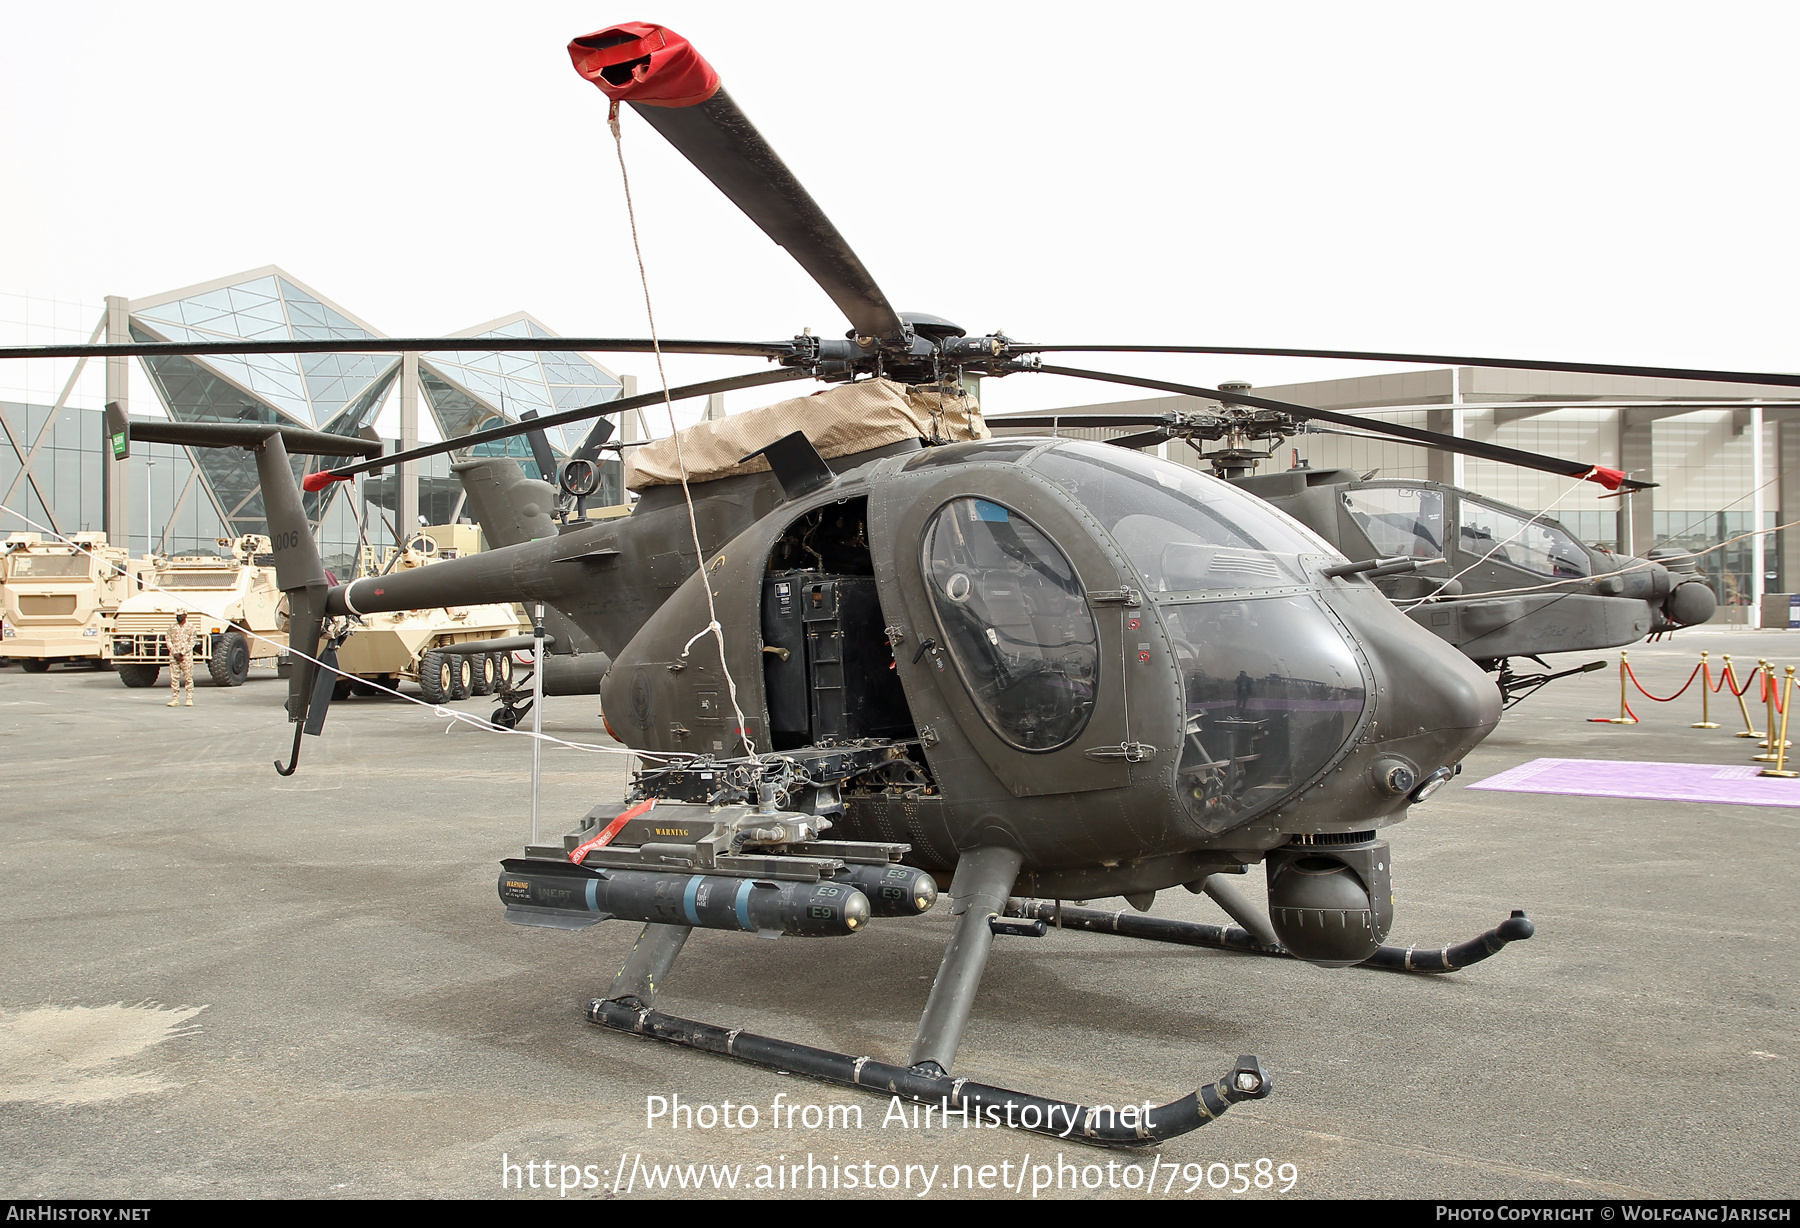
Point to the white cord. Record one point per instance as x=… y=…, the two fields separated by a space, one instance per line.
x=717 y=631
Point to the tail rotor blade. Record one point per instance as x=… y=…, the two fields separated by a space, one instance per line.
x=540 y=446
x=667 y=82
x=596 y=439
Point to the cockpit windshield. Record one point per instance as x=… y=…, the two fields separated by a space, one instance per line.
x=1272 y=693
x=1183 y=530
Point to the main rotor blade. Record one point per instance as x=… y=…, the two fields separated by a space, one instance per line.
x=1076 y=421
x=1454 y=360
x=1143 y=439
x=395 y=345
x=667 y=82
x=1612 y=479
x=581 y=414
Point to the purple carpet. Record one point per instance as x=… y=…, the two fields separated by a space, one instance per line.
x=1672 y=782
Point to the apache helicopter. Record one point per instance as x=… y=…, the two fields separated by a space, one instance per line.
x=1028 y=670
x=1495 y=581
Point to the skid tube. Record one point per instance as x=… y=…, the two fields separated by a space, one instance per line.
x=1131 y=924
x=1123 y=1126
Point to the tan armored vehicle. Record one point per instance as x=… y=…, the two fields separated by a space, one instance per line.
x=410 y=643
x=58 y=600
x=232 y=602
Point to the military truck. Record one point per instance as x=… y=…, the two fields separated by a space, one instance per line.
x=57 y=599
x=231 y=602
x=410 y=643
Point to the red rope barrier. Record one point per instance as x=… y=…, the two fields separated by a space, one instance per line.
x=1727 y=677
x=1632 y=674
x=1770 y=683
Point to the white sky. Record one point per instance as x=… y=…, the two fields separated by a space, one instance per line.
x=1610 y=182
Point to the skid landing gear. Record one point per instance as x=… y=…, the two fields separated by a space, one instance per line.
x=1515 y=928
x=978 y=893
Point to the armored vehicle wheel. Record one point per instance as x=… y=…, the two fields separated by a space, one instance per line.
x=343 y=688
x=462 y=677
x=436 y=676
x=230 y=663
x=503 y=670
x=506 y=718
x=138 y=675
x=484 y=674
x=32 y=665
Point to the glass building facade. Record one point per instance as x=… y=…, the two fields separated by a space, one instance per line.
x=183 y=500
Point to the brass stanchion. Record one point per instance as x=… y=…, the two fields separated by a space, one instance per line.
x=1706 y=721
x=1749 y=728
x=1775 y=741
x=1781 y=742
x=1625 y=716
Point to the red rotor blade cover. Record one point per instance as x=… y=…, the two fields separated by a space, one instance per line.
x=315 y=482
x=1609 y=478
x=664 y=69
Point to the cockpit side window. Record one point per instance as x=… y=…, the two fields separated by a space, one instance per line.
x=1184 y=531
x=1399 y=520
x=1507 y=537
x=1015 y=620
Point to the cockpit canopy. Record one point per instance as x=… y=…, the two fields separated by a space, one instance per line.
x=1183 y=531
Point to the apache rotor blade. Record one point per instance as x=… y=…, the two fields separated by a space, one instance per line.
x=1453 y=360
x=1612 y=479
x=396 y=345
x=667 y=82
x=1144 y=439
x=317 y=481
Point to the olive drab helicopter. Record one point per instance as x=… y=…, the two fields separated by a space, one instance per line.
x=1495 y=581
x=1024 y=671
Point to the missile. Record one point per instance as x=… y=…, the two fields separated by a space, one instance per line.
x=893 y=891
x=541 y=892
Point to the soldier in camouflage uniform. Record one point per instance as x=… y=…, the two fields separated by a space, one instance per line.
x=181 y=660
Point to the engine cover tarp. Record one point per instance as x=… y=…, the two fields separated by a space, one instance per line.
x=840 y=421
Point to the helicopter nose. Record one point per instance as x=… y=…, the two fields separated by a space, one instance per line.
x=1432 y=704
x=1330 y=901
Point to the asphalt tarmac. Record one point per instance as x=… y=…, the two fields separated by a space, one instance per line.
x=219 y=982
